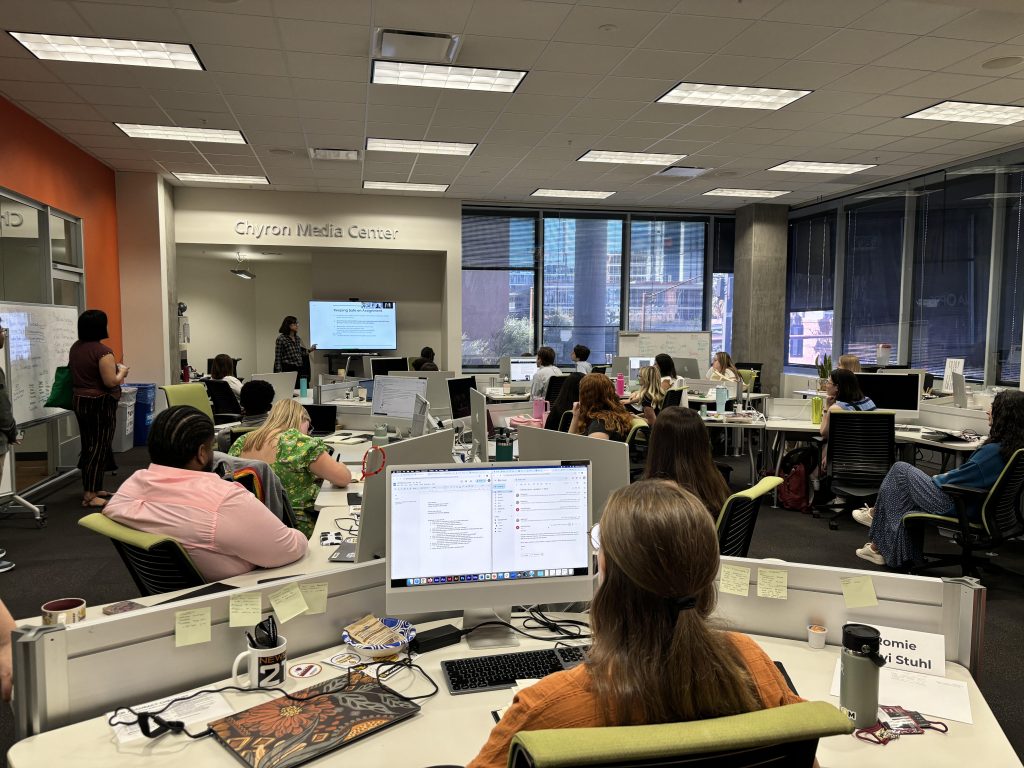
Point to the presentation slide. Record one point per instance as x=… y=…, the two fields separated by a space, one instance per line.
x=353 y=325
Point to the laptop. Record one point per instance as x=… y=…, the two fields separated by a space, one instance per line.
x=323 y=420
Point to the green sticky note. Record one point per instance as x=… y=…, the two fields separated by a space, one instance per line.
x=288 y=603
x=315 y=595
x=772 y=583
x=734 y=580
x=858 y=591
x=191 y=627
x=246 y=610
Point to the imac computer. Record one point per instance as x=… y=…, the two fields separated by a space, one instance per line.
x=382 y=366
x=437 y=389
x=435 y=448
x=619 y=365
x=394 y=399
x=636 y=363
x=478 y=422
x=899 y=392
x=283 y=383
x=420 y=414
x=689 y=368
x=608 y=459
x=521 y=368
x=458 y=396
x=481 y=538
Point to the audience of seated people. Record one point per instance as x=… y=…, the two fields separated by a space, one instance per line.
x=256 y=399
x=545 y=370
x=581 y=356
x=599 y=412
x=223 y=369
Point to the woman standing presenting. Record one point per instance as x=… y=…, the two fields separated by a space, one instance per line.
x=96 y=379
x=289 y=354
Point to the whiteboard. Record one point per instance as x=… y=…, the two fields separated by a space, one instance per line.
x=38 y=341
x=677 y=344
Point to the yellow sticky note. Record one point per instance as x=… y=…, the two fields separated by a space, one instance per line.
x=772 y=583
x=315 y=595
x=858 y=591
x=734 y=580
x=288 y=603
x=246 y=610
x=191 y=627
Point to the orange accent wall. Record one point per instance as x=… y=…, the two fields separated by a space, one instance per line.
x=40 y=164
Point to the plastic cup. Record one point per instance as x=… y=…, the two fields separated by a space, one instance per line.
x=816 y=635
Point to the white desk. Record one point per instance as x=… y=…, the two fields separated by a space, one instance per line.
x=451 y=729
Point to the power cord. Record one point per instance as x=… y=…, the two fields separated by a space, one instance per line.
x=561 y=628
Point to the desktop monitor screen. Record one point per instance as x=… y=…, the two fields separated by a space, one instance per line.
x=437 y=389
x=478 y=421
x=522 y=368
x=458 y=396
x=636 y=363
x=353 y=325
x=419 y=417
x=367 y=384
x=892 y=391
x=487 y=536
x=382 y=366
x=395 y=396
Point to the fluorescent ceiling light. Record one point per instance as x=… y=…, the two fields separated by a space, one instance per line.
x=682 y=172
x=799 y=166
x=219 y=179
x=629 y=158
x=966 y=112
x=737 y=96
x=724 y=192
x=443 y=76
x=404 y=186
x=420 y=147
x=243 y=273
x=103 y=50
x=589 y=194
x=177 y=133
x=323 y=153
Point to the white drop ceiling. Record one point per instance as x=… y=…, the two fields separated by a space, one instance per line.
x=294 y=74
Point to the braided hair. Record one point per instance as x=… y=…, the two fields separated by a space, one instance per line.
x=177 y=434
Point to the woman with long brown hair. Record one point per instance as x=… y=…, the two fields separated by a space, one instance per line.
x=656 y=656
x=599 y=412
x=680 y=450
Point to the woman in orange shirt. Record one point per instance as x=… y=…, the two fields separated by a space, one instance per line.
x=656 y=656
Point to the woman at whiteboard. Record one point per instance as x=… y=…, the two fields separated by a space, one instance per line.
x=96 y=378
x=289 y=354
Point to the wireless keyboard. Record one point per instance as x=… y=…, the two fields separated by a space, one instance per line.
x=492 y=673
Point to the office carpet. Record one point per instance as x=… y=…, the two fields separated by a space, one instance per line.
x=65 y=560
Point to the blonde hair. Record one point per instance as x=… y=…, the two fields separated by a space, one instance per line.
x=285 y=415
x=849 y=363
x=725 y=361
x=650 y=385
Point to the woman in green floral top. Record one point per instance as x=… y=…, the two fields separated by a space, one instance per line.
x=299 y=461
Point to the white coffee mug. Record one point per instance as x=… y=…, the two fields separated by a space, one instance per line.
x=266 y=666
x=66 y=610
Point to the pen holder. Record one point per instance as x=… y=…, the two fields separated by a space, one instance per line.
x=265 y=666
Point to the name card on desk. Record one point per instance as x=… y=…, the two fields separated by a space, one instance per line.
x=916 y=651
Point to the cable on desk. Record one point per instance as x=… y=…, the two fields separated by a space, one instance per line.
x=561 y=628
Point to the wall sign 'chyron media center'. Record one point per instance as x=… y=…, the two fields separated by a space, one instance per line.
x=308 y=229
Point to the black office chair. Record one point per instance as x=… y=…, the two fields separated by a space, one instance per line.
x=1000 y=520
x=226 y=407
x=756 y=389
x=600 y=369
x=861 y=451
x=554 y=387
x=738 y=516
x=673 y=397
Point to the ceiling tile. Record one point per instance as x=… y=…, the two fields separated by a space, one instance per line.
x=908 y=16
x=749 y=9
x=631 y=88
x=877 y=80
x=250 y=85
x=47 y=109
x=586 y=59
x=900 y=127
x=331 y=125
x=834 y=12
x=95 y=74
x=931 y=53
x=324 y=90
x=499 y=53
x=184 y=117
x=857 y=46
x=862 y=141
x=387 y=129
x=349 y=11
x=289 y=123
x=400 y=115
x=479 y=101
x=524 y=19
x=593 y=107
x=255 y=105
x=85 y=127
x=454 y=117
x=509 y=121
x=1008 y=90
x=829 y=101
x=804 y=75
x=457 y=133
x=671 y=65
x=584 y=25
x=25 y=69
x=788 y=120
x=324 y=37
x=324 y=66
x=733 y=70
x=777 y=40
x=558 y=83
x=914 y=144
x=649 y=131
x=673 y=114
x=228 y=28
x=196 y=102
x=133 y=21
x=56 y=18
x=422 y=15
x=19 y=90
x=943 y=85
x=728 y=117
x=848 y=123
x=534 y=104
x=246 y=61
x=984 y=25
x=809 y=138
x=892 y=106
x=974 y=65
x=698 y=34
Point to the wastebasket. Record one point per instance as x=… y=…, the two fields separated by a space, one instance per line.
x=124 y=422
x=145 y=400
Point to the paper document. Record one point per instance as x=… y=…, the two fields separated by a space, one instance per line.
x=191 y=627
x=858 y=591
x=246 y=610
x=315 y=595
x=288 y=603
x=201 y=710
x=773 y=583
x=939 y=697
x=734 y=580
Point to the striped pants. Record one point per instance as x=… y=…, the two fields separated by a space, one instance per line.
x=905 y=489
x=96 y=417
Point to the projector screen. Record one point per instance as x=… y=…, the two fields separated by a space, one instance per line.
x=353 y=325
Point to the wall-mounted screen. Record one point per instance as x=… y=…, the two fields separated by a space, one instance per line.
x=353 y=325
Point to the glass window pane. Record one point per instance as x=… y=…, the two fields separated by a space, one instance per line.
x=23 y=273
x=67 y=292
x=63 y=247
x=811 y=267
x=666 y=275
x=498 y=242
x=1011 y=326
x=952 y=254
x=582 y=279
x=871 y=289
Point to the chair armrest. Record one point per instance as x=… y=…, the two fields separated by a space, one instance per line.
x=962 y=496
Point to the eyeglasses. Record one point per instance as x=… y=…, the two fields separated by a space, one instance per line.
x=595 y=537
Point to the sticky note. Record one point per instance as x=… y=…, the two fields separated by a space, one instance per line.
x=288 y=603
x=772 y=583
x=858 y=591
x=734 y=580
x=246 y=610
x=191 y=627
x=315 y=595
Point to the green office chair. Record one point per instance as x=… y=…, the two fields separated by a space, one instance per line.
x=738 y=517
x=749 y=377
x=188 y=394
x=784 y=736
x=157 y=563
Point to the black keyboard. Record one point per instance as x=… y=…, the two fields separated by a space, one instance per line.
x=492 y=673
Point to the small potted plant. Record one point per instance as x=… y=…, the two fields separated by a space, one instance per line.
x=824 y=370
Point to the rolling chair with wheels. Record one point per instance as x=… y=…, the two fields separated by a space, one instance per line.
x=755 y=384
x=738 y=517
x=226 y=407
x=861 y=450
x=188 y=394
x=638 y=441
x=554 y=387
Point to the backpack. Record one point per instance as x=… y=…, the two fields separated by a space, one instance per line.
x=795 y=470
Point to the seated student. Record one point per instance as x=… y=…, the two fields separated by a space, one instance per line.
x=299 y=461
x=545 y=370
x=256 y=399
x=906 y=488
x=849 y=363
x=222 y=369
x=599 y=412
x=680 y=450
x=657 y=656
x=722 y=369
x=224 y=528
x=649 y=397
x=428 y=365
x=567 y=395
x=426 y=357
x=667 y=368
x=843 y=394
x=580 y=356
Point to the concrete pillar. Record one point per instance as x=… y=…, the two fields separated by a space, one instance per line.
x=759 y=301
x=590 y=284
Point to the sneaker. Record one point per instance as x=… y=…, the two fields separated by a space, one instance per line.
x=3 y=553
x=864 y=515
x=5 y=565
x=869 y=553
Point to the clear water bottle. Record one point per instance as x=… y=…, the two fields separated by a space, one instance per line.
x=858 y=674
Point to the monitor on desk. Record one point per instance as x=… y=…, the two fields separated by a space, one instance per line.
x=458 y=396
x=899 y=392
x=619 y=365
x=478 y=421
x=283 y=383
x=688 y=368
x=420 y=412
x=636 y=363
x=521 y=368
x=483 y=537
x=395 y=398
x=437 y=388
x=382 y=366
x=323 y=419
x=367 y=384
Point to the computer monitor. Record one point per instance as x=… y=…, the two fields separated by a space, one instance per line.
x=521 y=368
x=382 y=366
x=689 y=368
x=609 y=459
x=959 y=389
x=323 y=419
x=283 y=383
x=437 y=389
x=367 y=384
x=420 y=411
x=458 y=396
x=619 y=365
x=478 y=421
x=395 y=398
x=899 y=392
x=636 y=363
x=483 y=537
x=435 y=448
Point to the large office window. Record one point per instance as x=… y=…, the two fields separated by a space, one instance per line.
x=666 y=275
x=873 y=273
x=1011 y=325
x=952 y=255
x=811 y=265
x=722 y=261
x=499 y=255
x=23 y=269
x=582 y=284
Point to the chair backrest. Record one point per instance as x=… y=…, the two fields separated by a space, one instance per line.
x=157 y=563
x=861 y=446
x=783 y=737
x=672 y=397
x=225 y=403
x=554 y=387
x=749 y=377
x=755 y=385
x=565 y=422
x=188 y=394
x=638 y=441
x=738 y=517
x=1001 y=512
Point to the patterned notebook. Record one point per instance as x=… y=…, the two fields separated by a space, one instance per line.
x=282 y=733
